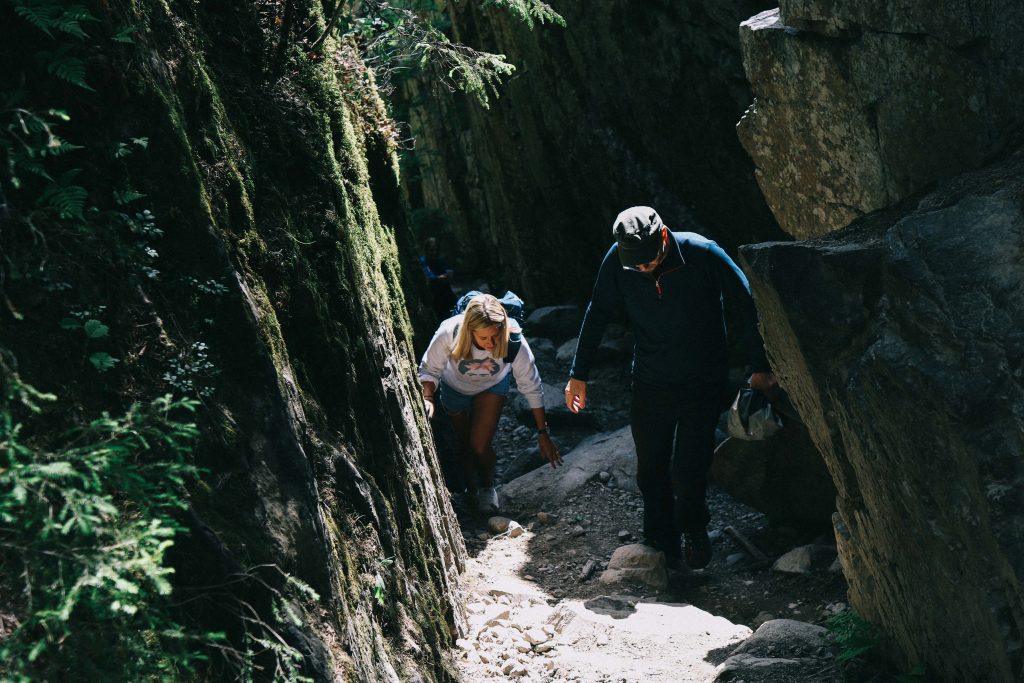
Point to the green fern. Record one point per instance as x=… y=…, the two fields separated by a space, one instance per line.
x=39 y=13
x=64 y=198
x=124 y=35
x=50 y=15
x=65 y=66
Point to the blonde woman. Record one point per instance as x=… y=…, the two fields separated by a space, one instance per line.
x=467 y=368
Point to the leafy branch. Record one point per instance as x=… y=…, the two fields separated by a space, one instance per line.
x=528 y=10
x=91 y=520
x=394 y=36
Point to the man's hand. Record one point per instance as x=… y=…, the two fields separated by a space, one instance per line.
x=575 y=395
x=428 y=405
x=765 y=382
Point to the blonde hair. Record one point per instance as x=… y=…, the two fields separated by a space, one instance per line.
x=482 y=311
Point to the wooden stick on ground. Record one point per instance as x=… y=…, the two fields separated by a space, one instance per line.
x=752 y=549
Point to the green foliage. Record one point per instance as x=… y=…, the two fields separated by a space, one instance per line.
x=27 y=138
x=52 y=16
x=471 y=71
x=528 y=10
x=102 y=361
x=410 y=33
x=189 y=371
x=379 y=588
x=853 y=635
x=63 y=197
x=85 y=523
x=65 y=65
x=860 y=645
x=95 y=329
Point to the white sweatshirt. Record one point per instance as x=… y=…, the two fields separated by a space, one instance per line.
x=470 y=377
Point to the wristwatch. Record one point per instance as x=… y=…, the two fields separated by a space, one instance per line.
x=544 y=430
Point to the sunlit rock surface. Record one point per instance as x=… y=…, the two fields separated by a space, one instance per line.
x=861 y=104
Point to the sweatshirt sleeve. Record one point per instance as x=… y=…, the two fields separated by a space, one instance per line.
x=524 y=369
x=605 y=306
x=435 y=358
x=736 y=290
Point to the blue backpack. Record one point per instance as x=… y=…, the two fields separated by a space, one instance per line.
x=513 y=306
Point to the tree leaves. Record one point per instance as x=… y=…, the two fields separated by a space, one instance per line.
x=102 y=361
x=94 y=329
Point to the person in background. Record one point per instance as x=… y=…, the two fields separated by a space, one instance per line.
x=466 y=368
x=671 y=287
x=439 y=278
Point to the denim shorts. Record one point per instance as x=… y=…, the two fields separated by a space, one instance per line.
x=454 y=402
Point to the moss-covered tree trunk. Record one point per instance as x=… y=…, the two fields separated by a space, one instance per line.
x=274 y=294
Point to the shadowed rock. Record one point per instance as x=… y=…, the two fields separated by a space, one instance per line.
x=783 y=477
x=900 y=343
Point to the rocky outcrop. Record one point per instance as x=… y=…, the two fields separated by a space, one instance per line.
x=899 y=341
x=629 y=104
x=862 y=104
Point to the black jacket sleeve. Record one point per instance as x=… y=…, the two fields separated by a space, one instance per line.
x=605 y=306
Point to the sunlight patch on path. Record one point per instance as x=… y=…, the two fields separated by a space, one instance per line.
x=519 y=631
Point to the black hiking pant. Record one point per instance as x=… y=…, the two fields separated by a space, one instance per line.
x=674 y=433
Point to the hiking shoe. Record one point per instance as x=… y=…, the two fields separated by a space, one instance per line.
x=487 y=500
x=697 y=548
x=671 y=550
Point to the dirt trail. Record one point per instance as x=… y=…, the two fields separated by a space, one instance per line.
x=546 y=582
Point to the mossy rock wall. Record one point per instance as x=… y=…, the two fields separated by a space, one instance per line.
x=269 y=181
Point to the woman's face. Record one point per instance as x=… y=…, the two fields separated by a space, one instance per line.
x=486 y=338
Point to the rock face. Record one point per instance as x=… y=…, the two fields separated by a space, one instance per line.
x=899 y=340
x=611 y=452
x=783 y=477
x=280 y=213
x=861 y=104
x=629 y=104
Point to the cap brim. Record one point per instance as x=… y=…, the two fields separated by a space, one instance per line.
x=639 y=254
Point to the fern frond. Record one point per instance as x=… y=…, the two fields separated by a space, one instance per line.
x=57 y=146
x=70 y=22
x=66 y=67
x=124 y=35
x=39 y=13
x=67 y=200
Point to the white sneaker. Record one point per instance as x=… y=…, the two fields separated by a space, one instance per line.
x=487 y=500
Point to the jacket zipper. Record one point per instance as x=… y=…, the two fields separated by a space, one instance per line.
x=657 y=280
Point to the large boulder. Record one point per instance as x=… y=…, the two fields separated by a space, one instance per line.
x=611 y=452
x=781 y=649
x=861 y=104
x=557 y=323
x=900 y=342
x=784 y=477
x=558 y=415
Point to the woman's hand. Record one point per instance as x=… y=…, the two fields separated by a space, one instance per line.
x=428 y=405
x=548 y=449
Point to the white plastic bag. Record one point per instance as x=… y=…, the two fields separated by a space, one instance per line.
x=751 y=417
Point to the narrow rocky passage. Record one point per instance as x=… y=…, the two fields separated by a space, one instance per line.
x=546 y=604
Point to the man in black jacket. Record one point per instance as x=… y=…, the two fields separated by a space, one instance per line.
x=671 y=286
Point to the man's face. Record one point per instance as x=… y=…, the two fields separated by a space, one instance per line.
x=651 y=265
